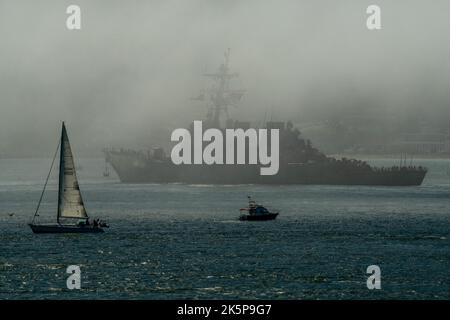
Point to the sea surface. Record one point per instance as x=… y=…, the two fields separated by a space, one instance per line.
x=174 y=241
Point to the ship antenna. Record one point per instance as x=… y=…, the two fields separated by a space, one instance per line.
x=265 y=119
x=221 y=96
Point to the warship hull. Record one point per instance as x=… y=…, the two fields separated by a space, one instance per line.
x=132 y=169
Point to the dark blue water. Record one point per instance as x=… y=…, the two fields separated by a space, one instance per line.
x=179 y=241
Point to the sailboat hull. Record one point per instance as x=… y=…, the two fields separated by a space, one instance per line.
x=57 y=228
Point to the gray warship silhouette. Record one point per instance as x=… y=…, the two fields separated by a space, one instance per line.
x=299 y=162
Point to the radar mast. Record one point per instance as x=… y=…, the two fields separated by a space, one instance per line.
x=220 y=95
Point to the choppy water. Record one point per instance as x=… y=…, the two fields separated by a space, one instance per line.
x=179 y=241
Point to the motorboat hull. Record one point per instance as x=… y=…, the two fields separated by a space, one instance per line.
x=258 y=217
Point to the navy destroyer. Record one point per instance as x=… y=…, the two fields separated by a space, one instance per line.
x=299 y=161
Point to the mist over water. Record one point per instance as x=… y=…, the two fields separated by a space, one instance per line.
x=176 y=241
x=126 y=78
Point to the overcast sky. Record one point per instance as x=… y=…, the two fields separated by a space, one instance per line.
x=126 y=78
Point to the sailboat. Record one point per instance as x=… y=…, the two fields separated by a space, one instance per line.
x=71 y=214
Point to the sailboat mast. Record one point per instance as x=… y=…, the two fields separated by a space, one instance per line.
x=61 y=173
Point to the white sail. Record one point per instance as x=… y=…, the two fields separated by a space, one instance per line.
x=70 y=202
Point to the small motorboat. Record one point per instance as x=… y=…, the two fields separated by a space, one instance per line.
x=256 y=212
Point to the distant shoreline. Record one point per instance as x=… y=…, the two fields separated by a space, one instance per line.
x=4 y=157
x=391 y=156
x=336 y=155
